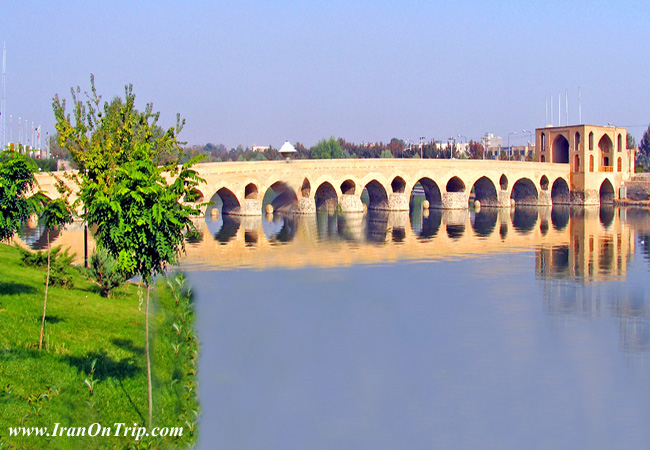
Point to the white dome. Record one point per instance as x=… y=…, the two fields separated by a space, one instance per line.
x=287 y=148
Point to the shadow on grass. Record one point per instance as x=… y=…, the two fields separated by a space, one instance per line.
x=53 y=319
x=15 y=288
x=106 y=367
x=127 y=344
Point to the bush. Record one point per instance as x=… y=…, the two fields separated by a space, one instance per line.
x=103 y=269
x=60 y=264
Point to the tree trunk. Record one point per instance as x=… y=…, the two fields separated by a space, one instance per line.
x=47 y=283
x=146 y=344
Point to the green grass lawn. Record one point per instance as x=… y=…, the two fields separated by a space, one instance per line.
x=53 y=385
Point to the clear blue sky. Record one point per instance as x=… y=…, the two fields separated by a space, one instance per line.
x=260 y=72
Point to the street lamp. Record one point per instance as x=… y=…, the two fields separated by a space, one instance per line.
x=510 y=148
x=421 y=139
x=466 y=140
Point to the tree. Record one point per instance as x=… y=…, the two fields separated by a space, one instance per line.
x=644 y=149
x=327 y=149
x=138 y=215
x=630 y=142
x=16 y=181
x=55 y=213
x=386 y=154
x=475 y=150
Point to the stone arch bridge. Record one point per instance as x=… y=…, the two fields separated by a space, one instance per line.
x=302 y=186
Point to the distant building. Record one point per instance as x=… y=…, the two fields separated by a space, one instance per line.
x=259 y=148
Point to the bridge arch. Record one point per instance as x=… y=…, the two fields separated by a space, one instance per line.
x=543 y=183
x=431 y=192
x=560 y=194
x=605 y=147
x=606 y=192
x=305 y=189
x=503 y=182
x=377 y=196
x=525 y=193
x=348 y=187
x=251 y=191
x=326 y=198
x=560 y=150
x=281 y=196
x=398 y=185
x=455 y=184
x=485 y=192
x=229 y=201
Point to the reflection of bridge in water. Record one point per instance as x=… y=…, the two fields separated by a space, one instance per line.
x=575 y=248
x=570 y=242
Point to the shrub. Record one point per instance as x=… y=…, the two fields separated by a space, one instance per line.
x=104 y=271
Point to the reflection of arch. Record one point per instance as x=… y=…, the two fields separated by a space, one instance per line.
x=503 y=182
x=431 y=192
x=524 y=219
x=560 y=150
x=250 y=192
x=606 y=192
x=484 y=222
x=606 y=215
x=398 y=185
x=524 y=192
x=543 y=183
x=430 y=224
x=377 y=197
x=455 y=184
x=305 y=189
x=560 y=217
x=229 y=201
x=560 y=192
x=348 y=187
x=281 y=196
x=326 y=197
x=485 y=192
x=455 y=230
x=228 y=229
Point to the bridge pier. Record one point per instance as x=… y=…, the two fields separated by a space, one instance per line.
x=504 y=199
x=454 y=200
x=398 y=201
x=350 y=203
x=249 y=207
x=545 y=198
x=587 y=197
x=305 y=206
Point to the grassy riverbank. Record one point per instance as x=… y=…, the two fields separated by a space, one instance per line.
x=92 y=369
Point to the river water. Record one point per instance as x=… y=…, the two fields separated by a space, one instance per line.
x=448 y=329
x=510 y=330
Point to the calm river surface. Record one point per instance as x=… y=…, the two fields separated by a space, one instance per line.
x=458 y=330
x=524 y=329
